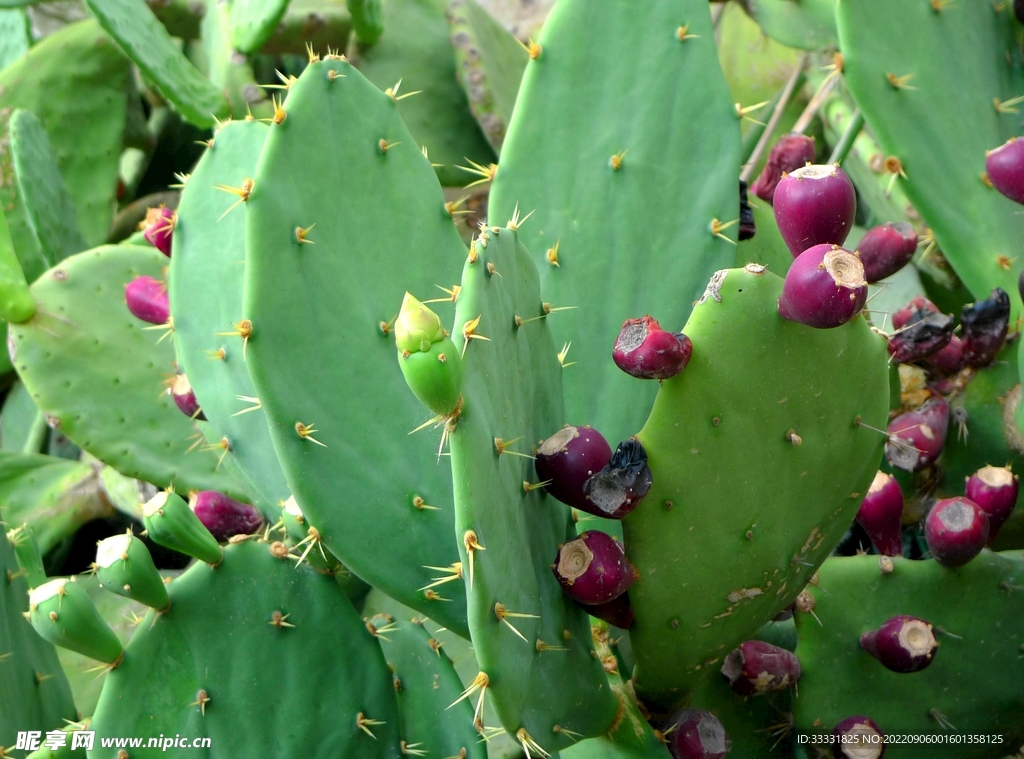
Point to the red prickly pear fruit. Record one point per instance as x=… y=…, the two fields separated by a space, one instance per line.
x=748 y=228
x=886 y=249
x=858 y=738
x=994 y=489
x=824 y=288
x=618 y=612
x=697 y=734
x=815 y=205
x=224 y=517
x=185 y=398
x=983 y=327
x=918 y=308
x=881 y=514
x=567 y=459
x=755 y=668
x=619 y=487
x=791 y=152
x=956 y=530
x=1005 y=168
x=902 y=644
x=645 y=351
x=158 y=228
x=921 y=337
x=916 y=438
x=147 y=300
x=950 y=359
x=593 y=568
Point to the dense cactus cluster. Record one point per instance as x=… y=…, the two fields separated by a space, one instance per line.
x=596 y=457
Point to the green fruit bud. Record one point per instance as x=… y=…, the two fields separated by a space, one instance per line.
x=26 y=551
x=417 y=327
x=124 y=566
x=62 y=612
x=435 y=375
x=172 y=524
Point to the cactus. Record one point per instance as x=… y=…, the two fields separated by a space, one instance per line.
x=807 y=25
x=16 y=302
x=253 y=22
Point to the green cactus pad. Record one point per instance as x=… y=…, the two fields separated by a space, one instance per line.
x=426 y=685
x=171 y=523
x=100 y=375
x=48 y=206
x=530 y=639
x=664 y=115
x=758 y=465
x=377 y=494
x=902 y=80
x=973 y=682
x=26 y=552
x=227 y=653
x=144 y=40
x=367 y=19
x=807 y=24
x=34 y=693
x=489 y=62
x=205 y=284
x=417 y=51
x=230 y=72
x=16 y=302
x=15 y=35
x=254 y=21
x=62 y=613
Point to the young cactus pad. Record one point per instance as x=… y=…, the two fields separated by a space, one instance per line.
x=226 y=651
x=334 y=238
x=98 y=373
x=759 y=465
x=532 y=642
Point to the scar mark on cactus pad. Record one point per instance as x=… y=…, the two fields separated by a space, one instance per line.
x=714 y=287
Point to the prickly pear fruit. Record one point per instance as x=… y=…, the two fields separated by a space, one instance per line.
x=646 y=351
x=567 y=459
x=224 y=517
x=430 y=362
x=886 y=249
x=748 y=226
x=754 y=668
x=956 y=530
x=815 y=205
x=881 y=514
x=994 y=489
x=916 y=438
x=824 y=288
x=1005 y=168
x=125 y=566
x=950 y=359
x=983 y=328
x=790 y=153
x=147 y=300
x=158 y=228
x=185 y=398
x=621 y=484
x=62 y=612
x=618 y=612
x=858 y=738
x=902 y=644
x=921 y=337
x=918 y=308
x=697 y=734
x=172 y=524
x=593 y=568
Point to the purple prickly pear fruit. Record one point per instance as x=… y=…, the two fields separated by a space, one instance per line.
x=618 y=612
x=224 y=517
x=950 y=359
x=185 y=398
x=824 y=288
x=697 y=734
x=593 y=568
x=755 y=668
x=158 y=228
x=916 y=438
x=918 y=308
x=886 y=249
x=956 y=530
x=881 y=514
x=921 y=337
x=788 y=154
x=567 y=459
x=621 y=484
x=902 y=644
x=858 y=738
x=815 y=205
x=983 y=327
x=646 y=351
x=1005 y=168
x=994 y=489
x=747 y=226
x=147 y=300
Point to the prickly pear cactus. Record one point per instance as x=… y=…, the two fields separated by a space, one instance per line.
x=973 y=682
x=759 y=456
x=533 y=644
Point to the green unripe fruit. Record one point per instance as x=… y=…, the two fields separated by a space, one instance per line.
x=62 y=613
x=172 y=524
x=435 y=375
x=124 y=566
x=417 y=327
x=26 y=551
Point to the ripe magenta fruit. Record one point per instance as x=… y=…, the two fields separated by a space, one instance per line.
x=593 y=568
x=1005 y=169
x=646 y=351
x=926 y=333
x=824 y=288
x=950 y=359
x=858 y=738
x=917 y=437
x=619 y=487
x=994 y=489
x=147 y=300
x=902 y=644
x=569 y=458
x=748 y=227
x=618 y=612
x=983 y=327
x=185 y=398
x=790 y=153
x=697 y=734
x=886 y=249
x=158 y=228
x=956 y=530
x=755 y=668
x=224 y=517
x=918 y=308
x=881 y=514
x=815 y=205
